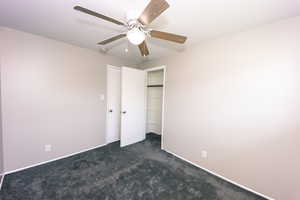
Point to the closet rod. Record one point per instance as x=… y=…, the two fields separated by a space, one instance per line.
x=155 y=86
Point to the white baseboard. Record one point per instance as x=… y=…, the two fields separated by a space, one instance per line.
x=55 y=159
x=222 y=177
x=117 y=140
x=1 y=180
x=180 y=157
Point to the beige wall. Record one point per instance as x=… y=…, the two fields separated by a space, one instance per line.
x=50 y=95
x=238 y=98
x=1 y=140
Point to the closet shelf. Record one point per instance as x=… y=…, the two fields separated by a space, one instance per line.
x=155 y=85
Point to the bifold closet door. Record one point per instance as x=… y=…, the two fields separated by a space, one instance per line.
x=133 y=109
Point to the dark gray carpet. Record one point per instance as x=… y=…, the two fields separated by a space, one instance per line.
x=140 y=171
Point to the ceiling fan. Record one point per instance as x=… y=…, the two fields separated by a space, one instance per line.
x=136 y=29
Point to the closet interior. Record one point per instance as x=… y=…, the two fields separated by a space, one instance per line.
x=155 y=90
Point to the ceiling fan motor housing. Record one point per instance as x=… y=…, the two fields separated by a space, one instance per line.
x=134 y=23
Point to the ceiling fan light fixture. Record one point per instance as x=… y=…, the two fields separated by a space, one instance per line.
x=137 y=26
x=136 y=36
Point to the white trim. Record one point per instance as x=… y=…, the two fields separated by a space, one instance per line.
x=2 y=179
x=114 y=67
x=155 y=68
x=163 y=108
x=164 y=68
x=219 y=176
x=55 y=159
x=117 y=140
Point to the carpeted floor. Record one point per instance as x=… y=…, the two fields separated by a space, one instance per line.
x=140 y=171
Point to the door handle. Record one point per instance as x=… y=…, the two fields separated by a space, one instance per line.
x=124 y=112
x=110 y=111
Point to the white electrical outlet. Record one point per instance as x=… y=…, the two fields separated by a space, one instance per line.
x=102 y=97
x=204 y=154
x=48 y=147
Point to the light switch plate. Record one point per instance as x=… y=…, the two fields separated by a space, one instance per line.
x=48 y=147
x=204 y=154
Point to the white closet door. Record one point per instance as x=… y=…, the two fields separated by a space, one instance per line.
x=113 y=104
x=133 y=117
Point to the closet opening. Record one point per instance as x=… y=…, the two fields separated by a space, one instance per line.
x=155 y=89
x=129 y=119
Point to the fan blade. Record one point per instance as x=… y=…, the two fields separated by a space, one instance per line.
x=112 y=39
x=168 y=36
x=153 y=10
x=144 y=49
x=87 y=11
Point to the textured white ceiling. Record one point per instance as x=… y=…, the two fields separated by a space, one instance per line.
x=197 y=19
